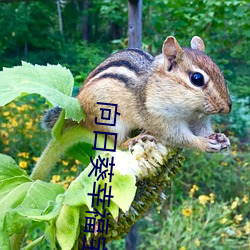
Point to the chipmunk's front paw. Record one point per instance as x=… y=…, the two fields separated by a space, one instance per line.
x=141 y=139
x=218 y=142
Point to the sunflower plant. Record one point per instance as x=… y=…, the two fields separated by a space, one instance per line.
x=29 y=201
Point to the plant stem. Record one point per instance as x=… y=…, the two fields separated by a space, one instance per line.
x=57 y=146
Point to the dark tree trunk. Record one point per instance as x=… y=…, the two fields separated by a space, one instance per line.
x=59 y=16
x=131 y=238
x=134 y=23
x=85 y=20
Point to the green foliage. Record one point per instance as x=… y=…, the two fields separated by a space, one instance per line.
x=30 y=32
x=52 y=82
x=198 y=224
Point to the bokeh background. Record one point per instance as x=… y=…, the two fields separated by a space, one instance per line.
x=207 y=206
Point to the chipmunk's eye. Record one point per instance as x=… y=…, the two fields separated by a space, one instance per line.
x=197 y=79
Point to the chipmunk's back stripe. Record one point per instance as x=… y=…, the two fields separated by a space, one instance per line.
x=118 y=63
x=118 y=77
x=143 y=53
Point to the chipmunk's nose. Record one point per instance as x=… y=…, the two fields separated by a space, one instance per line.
x=227 y=108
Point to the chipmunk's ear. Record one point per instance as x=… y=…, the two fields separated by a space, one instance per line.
x=171 y=49
x=197 y=43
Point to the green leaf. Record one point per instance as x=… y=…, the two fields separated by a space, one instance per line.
x=9 y=168
x=39 y=194
x=123 y=189
x=77 y=193
x=9 y=184
x=34 y=243
x=53 y=82
x=67 y=225
x=82 y=152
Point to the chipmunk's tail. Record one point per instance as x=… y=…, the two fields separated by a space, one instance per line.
x=50 y=118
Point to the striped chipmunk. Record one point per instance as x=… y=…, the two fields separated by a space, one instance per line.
x=168 y=97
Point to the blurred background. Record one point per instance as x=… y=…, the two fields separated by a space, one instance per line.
x=207 y=206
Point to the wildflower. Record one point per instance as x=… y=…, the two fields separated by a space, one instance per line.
x=4 y=134
x=12 y=105
x=203 y=199
x=6 y=113
x=224 y=164
x=238 y=233
x=73 y=168
x=197 y=242
x=55 y=178
x=65 y=163
x=35 y=159
x=24 y=154
x=193 y=190
x=211 y=195
x=29 y=124
x=187 y=211
x=77 y=162
x=183 y=248
x=23 y=164
x=234 y=152
x=65 y=185
x=238 y=218
x=235 y=203
x=245 y=199
x=223 y=235
x=247 y=227
x=223 y=220
x=14 y=123
x=70 y=178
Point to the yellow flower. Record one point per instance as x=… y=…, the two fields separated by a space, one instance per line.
x=24 y=154
x=238 y=218
x=55 y=178
x=193 y=190
x=65 y=185
x=73 y=168
x=65 y=163
x=223 y=235
x=35 y=159
x=187 y=211
x=4 y=134
x=224 y=164
x=77 y=162
x=247 y=227
x=29 y=124
x=6 y=113
x=70 y=178
x=245 y=199
x=238 y=233
x=23 y=164
x=183 y=248
x=234 y=152
x=12 y=105
x=14 y=123
x=235 y=203
x=211 y=195
x=203 y=199
x=197 y=242
x=223 y=220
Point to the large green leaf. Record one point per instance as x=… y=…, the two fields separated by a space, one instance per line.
x=9 y=168
x=67 y=226
x=82 y=152
x=53 y=82
x=20 y=197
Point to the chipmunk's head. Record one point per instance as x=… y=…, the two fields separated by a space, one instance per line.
x=198 y=76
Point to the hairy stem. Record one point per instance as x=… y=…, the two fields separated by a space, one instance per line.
x=57 y=146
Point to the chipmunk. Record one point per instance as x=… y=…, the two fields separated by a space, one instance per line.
x=170 y=97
